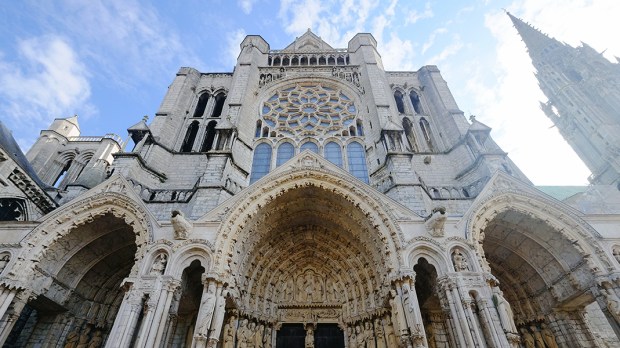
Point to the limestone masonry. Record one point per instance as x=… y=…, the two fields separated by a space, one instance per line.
x=310 y=198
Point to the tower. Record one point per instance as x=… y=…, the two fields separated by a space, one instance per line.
x=583 y=99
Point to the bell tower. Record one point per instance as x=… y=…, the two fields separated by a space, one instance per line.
x=583 y=99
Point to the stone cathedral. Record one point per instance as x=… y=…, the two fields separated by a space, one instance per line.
x=307 y=199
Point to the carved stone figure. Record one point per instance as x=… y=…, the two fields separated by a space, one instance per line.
x=258 y=336
x=460 y=261
x=244 y=335
x=504 y=311
x=309 y=340
x=613 y=304
x=380 y=334
x=528 y=339
x=359 y=336
x=84 y=339
x=616 y=253
x=229 y=333
x=369 y=337
x=207 y=307
x=537 y=337
x=96 y=341
x=180 y=225
x=159 y=265
x=267 y=337
x=72 y=339
x=548 y=336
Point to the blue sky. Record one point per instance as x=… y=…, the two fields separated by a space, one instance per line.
x=111 y=61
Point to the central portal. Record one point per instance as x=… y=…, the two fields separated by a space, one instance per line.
x=325 y=336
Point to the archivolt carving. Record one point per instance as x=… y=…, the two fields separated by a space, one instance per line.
x=61 y=222
x=565 y=222
x=308 y=239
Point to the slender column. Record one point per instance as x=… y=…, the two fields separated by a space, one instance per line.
x=19 y=298
x=129 y=326
x=398 y=315
x=218 y=315
x=123 y=318
x=161 y=312
x=412 y=309
x=461 y=317
x=474 y=328
x=498 y=336
x=448 y=285
x=149 y=311
x=205 y=313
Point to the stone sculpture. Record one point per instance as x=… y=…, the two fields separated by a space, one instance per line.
x=180 y=225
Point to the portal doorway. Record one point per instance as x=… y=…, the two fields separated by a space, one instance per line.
x=291 y=336
x=328 y=336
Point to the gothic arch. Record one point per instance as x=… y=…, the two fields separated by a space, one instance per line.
x=432 y=253
x=562 y=219
x=62 y=221
x=186 y=253
x=544 y=256
x=285 y=233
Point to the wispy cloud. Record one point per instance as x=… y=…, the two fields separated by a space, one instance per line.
x=448 y=51
x=431 y=38
x=48 y=80
x=414 y=16
x=246 y=5
x=233 y=42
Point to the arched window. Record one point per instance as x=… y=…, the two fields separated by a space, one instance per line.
x=331 y=61
x=202 y=105
x=357 y=161
x=415 y=101
x=426 y=130
x=408 y=127
x=207 y=144
x=276 y=61
x=259 y=125
x=285 y=153
x=261 y=163
x=333 y=153
x=62 y=174
x=12 y=209
x=190 y=136
x=352 y=131
x=295 y=61
x=309 y=146
x=219 y=105
x=360 y=128
x=400 y=106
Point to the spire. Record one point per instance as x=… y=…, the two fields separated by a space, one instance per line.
x=534 y=39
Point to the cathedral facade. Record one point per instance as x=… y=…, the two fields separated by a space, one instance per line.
x=307 y=199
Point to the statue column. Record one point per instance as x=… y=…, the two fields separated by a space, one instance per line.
x=398 y=315
x=608 y=300
x=128 y=313
x=169 y=286
x=205 y=313
x=18 y=298
x=474 y=328
x=412 y=311
x=457 y=320
x=218 y=315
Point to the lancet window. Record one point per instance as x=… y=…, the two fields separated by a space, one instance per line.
x=261 y=163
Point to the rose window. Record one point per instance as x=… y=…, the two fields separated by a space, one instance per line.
x=309 y=110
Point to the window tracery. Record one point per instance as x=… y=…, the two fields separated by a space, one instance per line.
x=12 y=209
x=309 y=110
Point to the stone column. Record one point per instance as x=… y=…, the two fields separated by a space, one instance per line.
x=158 y=323
x=17 y=297
x=218 y=315
x=398 y=315
x=205 y=312
x=457 y=319
x=126 y=317
x=412 y=311
x=499 y=337
x=472 y=320
x=607 y=298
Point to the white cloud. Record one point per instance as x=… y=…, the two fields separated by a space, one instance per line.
x=48 y=81
x=414 y=16
x=246 y=5
x=233 y=44
x=448 y=51
x=431 y=38
x=397 y=54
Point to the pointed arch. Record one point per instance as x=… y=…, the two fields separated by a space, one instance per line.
x=400 y=104
x=190 y=137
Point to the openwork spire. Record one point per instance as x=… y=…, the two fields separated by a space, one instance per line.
x=535 y=40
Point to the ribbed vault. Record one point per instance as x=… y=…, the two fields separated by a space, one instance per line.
x=310 y=247
x=538 y=267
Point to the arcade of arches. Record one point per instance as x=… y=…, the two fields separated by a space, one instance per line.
x=313 y=267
